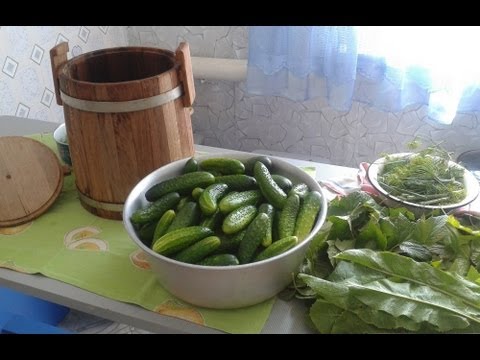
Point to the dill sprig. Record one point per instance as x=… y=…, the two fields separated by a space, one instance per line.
x=424 y=177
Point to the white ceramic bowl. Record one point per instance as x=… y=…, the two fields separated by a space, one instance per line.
x=60 y=136
x=230 y=286
x=471 y=186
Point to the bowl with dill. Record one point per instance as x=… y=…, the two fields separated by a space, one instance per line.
x=423 y=181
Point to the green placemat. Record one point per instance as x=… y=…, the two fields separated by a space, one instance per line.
x=68 y=243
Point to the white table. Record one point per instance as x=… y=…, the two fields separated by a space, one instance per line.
x=286 y=317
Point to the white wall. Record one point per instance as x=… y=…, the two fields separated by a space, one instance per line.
x=229 y=117
x=26 y=83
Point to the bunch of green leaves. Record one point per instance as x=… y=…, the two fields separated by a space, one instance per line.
x=424 y=177
x=377 y=269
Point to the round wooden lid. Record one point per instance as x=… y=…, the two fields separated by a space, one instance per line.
x=31 y=179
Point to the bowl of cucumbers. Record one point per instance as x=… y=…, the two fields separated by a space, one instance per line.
x=227 y=230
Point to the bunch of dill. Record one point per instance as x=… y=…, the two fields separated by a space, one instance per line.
x=425 y=177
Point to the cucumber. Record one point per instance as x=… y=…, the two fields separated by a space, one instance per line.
x=276 y=220
x=270 y=211
x=213 y=221
x=220 y=260
x=277 y=248
x=183 y=184
x=225 y=166
x=197 y=192
x=272 y=192
x=180 y=239
x=189 y=215
x=288 y=216
x=282 y=181
x=230 y=244
x=190 y=166
x=250 y=163
x=182 y=202
x=239 y=219
x=238 y=199
x=253 y=238
x=300 y=189
x=237 y=182
x=210 y=196
x=152 y=212
x=307 y=215
x=199 y=250
x=163 y=224
x=145 y=233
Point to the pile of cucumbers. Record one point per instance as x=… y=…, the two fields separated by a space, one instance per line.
x=222 y=212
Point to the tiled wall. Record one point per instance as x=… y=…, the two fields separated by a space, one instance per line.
x=231 y=118
x=26 y=83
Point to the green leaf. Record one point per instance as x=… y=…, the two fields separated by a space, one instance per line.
x=347 y=204
x=371 y=236
x=331 y=319
x=341 y=228
x=473 y=275
x=415 y=251
x=396 y=212
x=337 y=246
x=396 y=229
x=391 y=264
x=431 y=230
x=456 y=224
x=337 y=297
x=418 y=303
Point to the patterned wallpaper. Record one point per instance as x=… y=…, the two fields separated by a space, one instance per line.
x=26 y=83
x=228 y=117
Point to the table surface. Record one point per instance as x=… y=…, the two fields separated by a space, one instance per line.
x=286 y=316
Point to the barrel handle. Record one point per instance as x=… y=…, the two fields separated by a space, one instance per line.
x=58 y=58
x=182 y=56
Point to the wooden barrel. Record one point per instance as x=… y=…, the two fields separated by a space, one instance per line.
x=127 y=113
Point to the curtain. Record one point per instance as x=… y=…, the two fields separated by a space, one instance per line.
x=387 y=67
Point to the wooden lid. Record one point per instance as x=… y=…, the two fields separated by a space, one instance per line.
x=31 y=179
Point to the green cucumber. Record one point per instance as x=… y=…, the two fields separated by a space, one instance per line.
x=272 y=192
x=182 y=202
x=199 y=250
x=225 y=166
x=237 y=182
x=213 y=221
x=239 y=219
x=282 y=181
x=238 y=199
x=163 y=224
x=152 y=212
x=190 y=166
x=183 y=184
x=210 y=196
x=189 y=215
x=180 y=239
x=145 y=233
x=230 y=243
x=276 y=220
x=197 y=192
x=307 y=215
x=277 y=248
x=288 y=216
x=270 y=211
x=220 y=260
x=301 y=189
x=253 y=238
x=250 y=163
